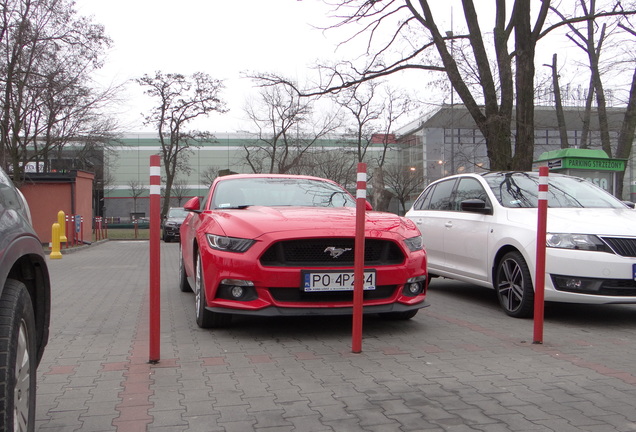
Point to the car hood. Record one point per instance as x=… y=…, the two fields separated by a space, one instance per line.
x=600 y=221
x=254 y=221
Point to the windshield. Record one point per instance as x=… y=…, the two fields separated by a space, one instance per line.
x=520 y=189
x=177 y=213
x=270 y=191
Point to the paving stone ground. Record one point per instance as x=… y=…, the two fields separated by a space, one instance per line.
x=459 y=365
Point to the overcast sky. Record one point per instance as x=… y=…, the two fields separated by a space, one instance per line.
x=225 y=38
x=221 y=38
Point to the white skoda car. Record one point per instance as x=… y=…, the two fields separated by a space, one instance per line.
x=482 y=229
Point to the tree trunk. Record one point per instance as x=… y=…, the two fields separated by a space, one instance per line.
x=626 y=134
x=496 y=131
x=524 y=49
x=381 y=196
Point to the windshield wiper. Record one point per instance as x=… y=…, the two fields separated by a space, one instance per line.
x=233 y=207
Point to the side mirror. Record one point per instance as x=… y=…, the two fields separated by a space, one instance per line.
x=475 y=206
x=193 y=205
x=369 y=207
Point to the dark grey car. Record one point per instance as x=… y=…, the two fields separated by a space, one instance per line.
x=172 y=223
x=24 y=309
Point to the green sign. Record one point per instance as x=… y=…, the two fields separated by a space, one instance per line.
x=582 y=159
x=594 y=164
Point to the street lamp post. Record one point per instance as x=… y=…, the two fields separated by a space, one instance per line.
x=452 y=95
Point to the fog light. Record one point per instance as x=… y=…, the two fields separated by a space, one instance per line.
x=577 y=284
x=414 y=288
x=237 y=289
x=237 y=292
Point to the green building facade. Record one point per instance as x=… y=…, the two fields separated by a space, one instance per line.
x=126 y=168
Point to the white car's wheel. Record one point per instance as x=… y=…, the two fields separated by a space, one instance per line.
x=514 y=286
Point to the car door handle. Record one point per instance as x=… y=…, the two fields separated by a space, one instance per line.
x=448 y=224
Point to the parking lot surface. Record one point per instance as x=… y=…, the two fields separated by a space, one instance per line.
x=459 y=365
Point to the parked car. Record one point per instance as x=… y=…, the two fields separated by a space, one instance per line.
x=24 y=309
x=482 y=229
x=273 y=245
x=172 y=223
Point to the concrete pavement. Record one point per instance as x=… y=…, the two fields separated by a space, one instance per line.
x=459 y=365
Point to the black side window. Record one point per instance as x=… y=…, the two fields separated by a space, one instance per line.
x=469 y=188
x=422 y=202
x=441 y=196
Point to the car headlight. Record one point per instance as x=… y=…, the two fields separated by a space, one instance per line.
x=229 y=244
x=575 y=241
x=414 y=243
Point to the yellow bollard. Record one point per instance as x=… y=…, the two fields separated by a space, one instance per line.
x=61 y=220
x=55 y=242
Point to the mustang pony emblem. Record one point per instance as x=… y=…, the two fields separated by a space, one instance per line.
x=336 y=252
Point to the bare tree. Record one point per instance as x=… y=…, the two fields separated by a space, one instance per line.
x=586 y=39
x=338 y=165
x=209 y=174
x=628 y=128
x=47 y=54
x=364 y=109
x=403 y=183
x=179 y=100
x=593 y=37
x=137 y=189
x=286 y=130
x=372 y=108
x=494 y=81
x=180 y=190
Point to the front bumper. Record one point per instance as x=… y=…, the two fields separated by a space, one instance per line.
x=172 y=231
x=276 y=291
x=273 y=311
x=589 y=277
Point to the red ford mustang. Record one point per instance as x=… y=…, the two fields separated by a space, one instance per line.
x=272 y=245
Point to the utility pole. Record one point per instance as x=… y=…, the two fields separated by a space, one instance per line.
x=450 y=34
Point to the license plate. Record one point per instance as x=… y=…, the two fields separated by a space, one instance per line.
x=634 y=271
x=334 y=281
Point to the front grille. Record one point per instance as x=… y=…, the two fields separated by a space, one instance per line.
x=314 y=253
x=622 y=246
x=297 y=295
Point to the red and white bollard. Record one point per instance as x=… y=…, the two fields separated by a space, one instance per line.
x=155 y=259
x=358 y=258
x=542 y=222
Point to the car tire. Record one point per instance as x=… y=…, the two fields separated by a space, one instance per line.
x=205 y=318
x=513 y=284
x=166 y=239
x=18 y=363
x=399 y=316
x=184 y=285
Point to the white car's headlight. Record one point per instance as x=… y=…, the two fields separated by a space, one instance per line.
x=414 y=243
x=229 y=244
x=575 y=241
